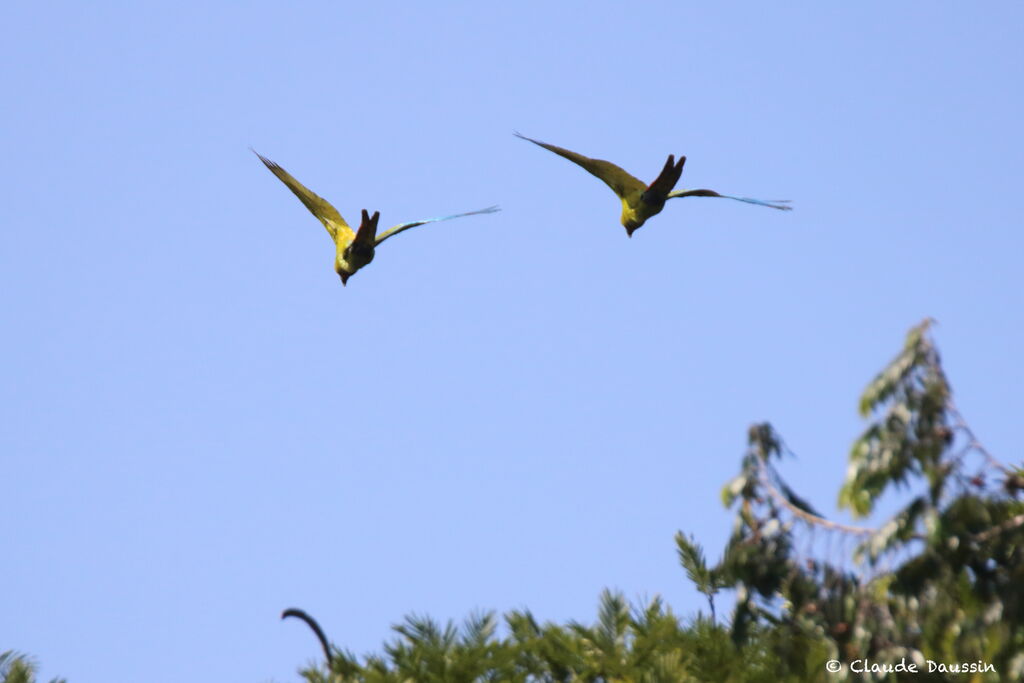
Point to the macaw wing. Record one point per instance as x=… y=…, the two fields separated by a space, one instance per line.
x=405 y=226
x=621 y=182
x=317 y=205
x=781 y=204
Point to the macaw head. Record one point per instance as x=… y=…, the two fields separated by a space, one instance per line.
x=652 y=200
x=634 y=216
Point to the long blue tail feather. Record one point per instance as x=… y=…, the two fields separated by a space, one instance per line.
x=780 y=204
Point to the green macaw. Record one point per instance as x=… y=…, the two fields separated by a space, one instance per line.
x=353 y=250
x=640 y=201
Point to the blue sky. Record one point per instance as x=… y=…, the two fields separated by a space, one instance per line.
x=202 y=427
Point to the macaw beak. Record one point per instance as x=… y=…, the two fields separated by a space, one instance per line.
x=344 y=279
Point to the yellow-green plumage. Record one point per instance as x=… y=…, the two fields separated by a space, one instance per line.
x=639 y=201
x=353 y=249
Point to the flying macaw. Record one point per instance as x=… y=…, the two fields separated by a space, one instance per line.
x=353 y=250
x=639 y=201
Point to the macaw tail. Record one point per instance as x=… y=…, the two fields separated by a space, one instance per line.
x=489 y=209
x=781 y=204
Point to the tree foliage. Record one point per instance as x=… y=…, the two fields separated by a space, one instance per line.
x=645 y=644
x=941 y=579
x=18 y=668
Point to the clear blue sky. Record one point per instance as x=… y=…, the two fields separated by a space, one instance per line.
x=201 y=427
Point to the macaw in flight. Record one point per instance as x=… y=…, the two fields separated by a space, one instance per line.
x=640 y=201
x=353 y=250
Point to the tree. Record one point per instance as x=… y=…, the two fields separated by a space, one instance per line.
x=17 y=668
x=642 y=644
x=941 y=580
